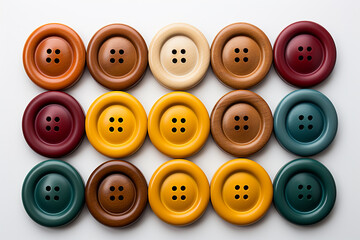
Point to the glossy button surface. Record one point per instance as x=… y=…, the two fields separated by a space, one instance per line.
x=178 y=124
x=179 y=192
x=117 y=56
x=116 y=124
x=304 y=191
x=241 y=55
x=53 y=193
x=54 y=56
x=305 y=122
x=304 y=54
x=241 y=123
x=53 y=124
x=241 y=191
x=179 y=56
x=116 y=193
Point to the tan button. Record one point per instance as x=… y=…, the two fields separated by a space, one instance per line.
x=54 y=56
x=241 y=55
x=117 y=56
x=241 y=123
x=179 y=56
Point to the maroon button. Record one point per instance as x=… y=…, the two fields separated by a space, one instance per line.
x=304 y=54
x=53 y=124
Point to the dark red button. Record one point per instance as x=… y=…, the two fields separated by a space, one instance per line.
x=53 y=124
x=304 y=54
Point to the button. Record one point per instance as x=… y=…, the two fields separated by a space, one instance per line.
x=241 y=191
x=304 y=191
x=117 y=56
x=54 y=56
x=304 y=54
x=53 y=193
x=116 y=193
x=178 y=124
x=241 y=123
x=179 y=56
x=241 y=55
x=179 y=192
x=53 y=124
x=305 y=122
x=116 y=124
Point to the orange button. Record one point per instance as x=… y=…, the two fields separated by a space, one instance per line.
x=179 y=192
x=54 y=56
x=116 y=124
x=178 y=124
x=241 y=191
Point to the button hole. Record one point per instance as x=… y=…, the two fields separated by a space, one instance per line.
x=300 y=48
x=237 y=59
x=174 y=197
x=57 y=51
x=112 y=51
x=237 y=196
x=183 y=51
x=121 y=51
x=245 y=50
x=236 y=50
x=174 y=188
x=182 y=130
x=174 y=130
x=48 y=60
x=183 y=60
x=48 y=51
x=174 y=51
x=57 y=60
x=174 y=60
x=183 y=197
x=245 y=59
x=246 y=196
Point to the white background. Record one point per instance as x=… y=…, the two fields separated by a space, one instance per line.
x=19 y=18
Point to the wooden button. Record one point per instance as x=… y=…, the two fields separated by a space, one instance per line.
x=54 y=56
x=241 y=55
x=304 y=54
x=241 y=191
x=179 y=56
x=116 y=193
x=241 y=123
x=117 y=56
x=179 y=192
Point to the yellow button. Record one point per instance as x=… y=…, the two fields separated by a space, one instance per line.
x=179 y=192
x=241 y=191
x=178 y=124
x=116 y=124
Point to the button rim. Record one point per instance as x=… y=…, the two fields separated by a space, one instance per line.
x=222 y=73
x=128 y=80
x=298 y=79
x=330 y=115
x=169 y=100
x=165 y=170
x=197 y=74
x=77 y=67
x=94 y=111
x=28 y=127
x=91 y=193
x=298 y=166
x=220 y=108
x=29 y=184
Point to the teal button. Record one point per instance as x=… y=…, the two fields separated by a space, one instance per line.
x=304 y=191
x=305 y=122
x=53 y=193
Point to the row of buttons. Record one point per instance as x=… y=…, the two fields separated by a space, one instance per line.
x=116 y=192
x=179 y=56
x=241 y=123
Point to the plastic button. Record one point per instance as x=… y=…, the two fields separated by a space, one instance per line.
x=54 y=56
x=53 y=124
x=53 y=193
x=241 y=123
x=304 y=54
x=241 y=55
x=179 y=192
x=117 y=56
x=304 y=191
x=116 y=193
x=305 y=122
x=179 y=56
x=241 y=191
x=178 y=124
x=116 y=124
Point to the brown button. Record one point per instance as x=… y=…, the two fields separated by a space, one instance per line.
x=241 y=55
x=241 y=123
x=117 y=56
x=116 y=193
x=54 y=56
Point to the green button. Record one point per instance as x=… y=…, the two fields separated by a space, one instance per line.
x=53 y=193
x=304 y=191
